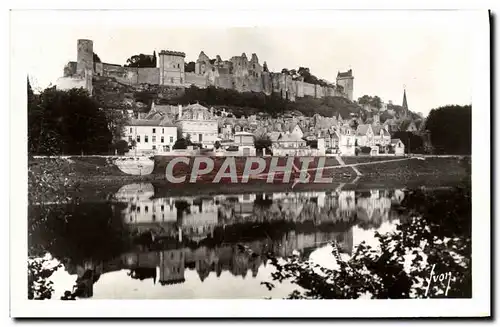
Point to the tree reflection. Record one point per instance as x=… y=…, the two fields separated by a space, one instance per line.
x=436 y=230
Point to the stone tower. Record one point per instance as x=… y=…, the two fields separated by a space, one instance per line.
x=171 y=64
x=346 y=80
x=85 y=56
x=85 y=62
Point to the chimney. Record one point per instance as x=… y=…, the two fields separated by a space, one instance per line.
x=180 y=111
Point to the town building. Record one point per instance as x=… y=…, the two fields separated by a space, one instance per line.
x=150 y=136
x=199 y=123
x=245 y=143
x=399 y=147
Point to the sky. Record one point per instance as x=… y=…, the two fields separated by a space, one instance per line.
x=429 y=55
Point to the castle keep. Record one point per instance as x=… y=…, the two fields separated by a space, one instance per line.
x=239 y=73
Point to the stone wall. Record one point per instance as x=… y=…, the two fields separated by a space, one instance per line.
x=224 y=81
x=125 y=75
x=196 y=80
x=309 y=90
x=148 y=75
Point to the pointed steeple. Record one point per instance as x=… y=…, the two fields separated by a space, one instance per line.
x=405 y=103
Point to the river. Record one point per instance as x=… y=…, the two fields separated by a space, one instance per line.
x=362 y=243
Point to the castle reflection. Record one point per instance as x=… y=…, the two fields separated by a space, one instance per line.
x=234 y=232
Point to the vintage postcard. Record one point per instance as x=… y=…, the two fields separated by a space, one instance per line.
x=251 y=157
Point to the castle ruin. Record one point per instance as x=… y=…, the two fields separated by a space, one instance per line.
x=238 y=73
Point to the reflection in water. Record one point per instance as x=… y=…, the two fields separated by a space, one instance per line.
x=163 y=239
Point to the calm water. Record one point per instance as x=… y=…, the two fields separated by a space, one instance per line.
x=378 y=243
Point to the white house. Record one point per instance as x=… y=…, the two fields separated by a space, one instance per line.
x=150 y=136
x=245 y=143
x=347 y=142
x=200 y=123
x=364 y=135
x=399 y=147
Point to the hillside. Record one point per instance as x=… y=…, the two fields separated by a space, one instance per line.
x=115 y=95
x=112 y=94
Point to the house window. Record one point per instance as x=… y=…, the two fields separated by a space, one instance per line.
x=146 y=209
x=162 y=207
x=162 y=139
x=200 y=137
x=138 y=209
x=163 y=130
x=154 y=147
x=138 y=139
x=130 y=139
x=145 y=139
x=154 y=130
x=171 y=139
x=130 y=130
x=172 y=80
x=154 y=139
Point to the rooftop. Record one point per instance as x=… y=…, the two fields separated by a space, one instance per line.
x=172 y=53
x=150 y=122
x=345 y=74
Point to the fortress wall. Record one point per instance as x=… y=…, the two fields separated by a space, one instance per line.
x=98 y=68
x=196 y=80
x=319 y=91
x=266 y=83
x=125 y=75
x=299 y=89
x=224 y=81
x=339 y=93
x=254 y=84
x=309 y=90
x=329 y=91
x=148 y=75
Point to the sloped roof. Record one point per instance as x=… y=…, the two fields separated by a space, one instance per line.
x=290 y=138
x=195 y=106
x=362 y=129
x=377 y=128
x=151 y=122
x=395 y=141
x=274 y=136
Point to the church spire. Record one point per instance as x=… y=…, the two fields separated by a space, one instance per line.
x=405 y=104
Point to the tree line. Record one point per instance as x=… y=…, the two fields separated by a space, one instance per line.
x=71 y=123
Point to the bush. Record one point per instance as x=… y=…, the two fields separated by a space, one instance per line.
x=121 y=147
x=365 y=149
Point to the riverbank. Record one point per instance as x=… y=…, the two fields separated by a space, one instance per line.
x=100 y=177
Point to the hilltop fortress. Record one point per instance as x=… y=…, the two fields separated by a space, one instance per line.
x=238 y=73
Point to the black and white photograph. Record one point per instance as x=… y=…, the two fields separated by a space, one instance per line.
x=255 y=157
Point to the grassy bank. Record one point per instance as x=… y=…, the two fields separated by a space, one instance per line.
x=98 y=178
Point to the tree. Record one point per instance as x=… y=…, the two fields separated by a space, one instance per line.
x=67 y=122
x=189 y=67
x=262 y=141
x=374 y=101
x=117 y=120
x=450 y=129
x=413 y=143
x=380 y=272
x=142 y=61
x=182 y=144
x=96 y=58
x=121 y=147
